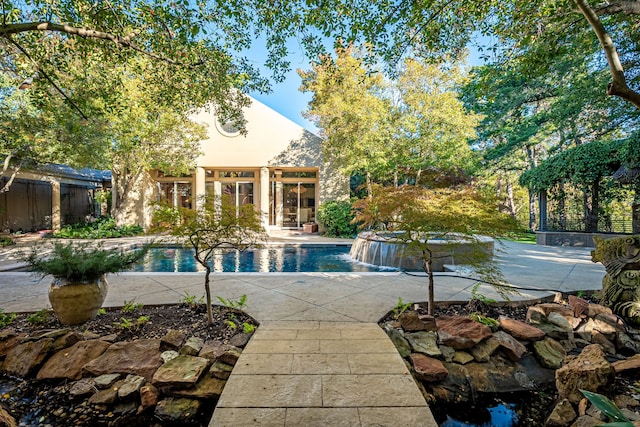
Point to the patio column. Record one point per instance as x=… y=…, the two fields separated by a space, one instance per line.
x=279 y=214
x=200 y=187
x=264 y=197
x=542 y=203
x=56 y=222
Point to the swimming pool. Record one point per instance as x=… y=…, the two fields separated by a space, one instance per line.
x=285 y=259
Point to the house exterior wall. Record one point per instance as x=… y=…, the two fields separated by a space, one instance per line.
x=277 y=166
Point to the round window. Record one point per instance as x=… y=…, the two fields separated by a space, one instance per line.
x=227 y=129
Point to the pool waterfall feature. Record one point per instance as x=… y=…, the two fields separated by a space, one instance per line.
x=385 y=249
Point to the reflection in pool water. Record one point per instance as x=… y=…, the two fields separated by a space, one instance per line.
x=272 y=259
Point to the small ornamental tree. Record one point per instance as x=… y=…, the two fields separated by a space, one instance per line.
x=418 y=217
x=216 y=224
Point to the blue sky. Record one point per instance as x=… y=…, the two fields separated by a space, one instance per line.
x=285 y=97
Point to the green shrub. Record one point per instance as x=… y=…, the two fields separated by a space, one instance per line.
x=6 y=241
x=336 y=218
x=100 y=229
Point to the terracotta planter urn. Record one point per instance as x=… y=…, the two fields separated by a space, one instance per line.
x=77 y=301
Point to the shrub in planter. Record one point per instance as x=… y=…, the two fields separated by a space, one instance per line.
x=79 y=284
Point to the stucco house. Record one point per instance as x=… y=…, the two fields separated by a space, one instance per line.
x=278 y=167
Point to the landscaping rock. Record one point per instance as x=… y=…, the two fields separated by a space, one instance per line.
x=67 y=340
x=220 y=370
x=230 y=355
x=83 y=387
x=105 y=397
x=207 y=388
x=183 y=371
x=68 y=363
x=460 y=332
x=549 y=352
x=140 y=357
x=211 y=349
x=427 y=368
x=411 y=322
x=586 y=421
x=400 y=342
x=462 y=357
x=513 y=349
x=627 y=345
x=600 y=339
x=562 y=415
x=25 y=358
x=6 y=420
x=172 y=340
x=630 y=364
x=424 y=342
x=130 y=387
x=149 y=395
x=192 y=347
x=106 y=380
x=588 y=371
x=168 y=355
x=240 y=340
x=448 y=353
x=554 y=331
x=482 y=351
x=172 y=409
x=520 y=330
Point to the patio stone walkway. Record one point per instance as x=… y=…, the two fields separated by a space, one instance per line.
x=321 y=374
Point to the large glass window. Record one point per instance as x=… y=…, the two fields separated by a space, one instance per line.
x=299 y=204
x=241 y=193
x=176 y=193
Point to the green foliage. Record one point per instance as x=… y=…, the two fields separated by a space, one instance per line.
x=476 y=295
x=124 y=323
x=248 y=328
x=400 y=307
x=191 y=300
x=6 y=318
x=608 y=408
x=581 y=165
x=81 y=262
x=131 y=306
x=336 y=219
x=102 y=311
x=39 y=317
x=101 y=228
x=487 y=321
x=238 y=304
x=6 y=241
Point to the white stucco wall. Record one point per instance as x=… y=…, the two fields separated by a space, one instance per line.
x=271 y=140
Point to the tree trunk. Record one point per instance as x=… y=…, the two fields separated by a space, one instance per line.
x=369 y=185
x=511 y=203
x=592 y=208
x=132 y=193
x=532 y=210
x=427 y=265
x=207 y=290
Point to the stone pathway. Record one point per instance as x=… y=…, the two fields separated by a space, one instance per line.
x=321 y=374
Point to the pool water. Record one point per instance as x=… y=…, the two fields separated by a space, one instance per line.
x=288 y=259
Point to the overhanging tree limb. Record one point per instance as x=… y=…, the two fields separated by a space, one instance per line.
x=125 y=41
x=618 y=86
x=47 y=77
